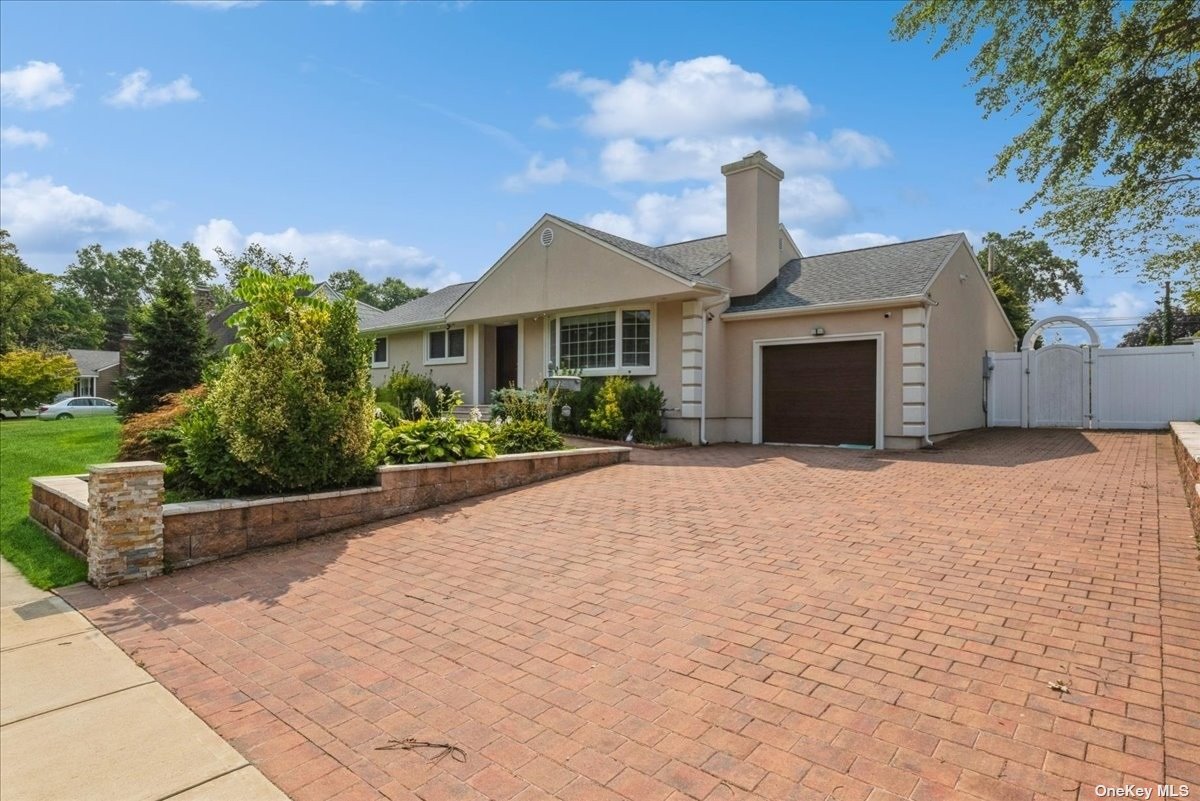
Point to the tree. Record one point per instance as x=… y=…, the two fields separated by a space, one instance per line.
x=1150 y=330
x=30 y=377
x=387 y=294
x=118 y=284
x=69 y=321
x=391 y=292
x=170 y=348
x=293 y=401
x=256 y=257
x=1016 y=308
x=351 y=284
x=23 y=294
x=1029 y=267
x=1112 y=92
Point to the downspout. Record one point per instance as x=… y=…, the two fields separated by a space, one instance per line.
x=929 y=304
x=703 y=372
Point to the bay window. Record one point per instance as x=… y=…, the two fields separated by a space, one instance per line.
x=609 y=341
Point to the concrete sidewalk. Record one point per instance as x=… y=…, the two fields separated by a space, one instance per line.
x=79 y=720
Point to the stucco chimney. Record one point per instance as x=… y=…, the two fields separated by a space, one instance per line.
x=752 y=221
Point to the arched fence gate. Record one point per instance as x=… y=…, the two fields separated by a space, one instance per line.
x=1087 y=386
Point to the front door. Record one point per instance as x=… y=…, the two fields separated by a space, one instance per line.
x=506 y=356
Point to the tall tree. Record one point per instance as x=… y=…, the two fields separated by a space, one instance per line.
x=256 y=257
x=69 y=321
x=1113 y=95
x=113 y=283
x=391 y=292
x=1016 y=307
x=1150 y=330
x=24 y=293
x=170 y=348
x=1030 y=267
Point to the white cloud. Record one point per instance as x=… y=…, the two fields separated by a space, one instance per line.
x=700 y=158
x=1113 y=315
x=703 y=96
x=353 y=5
x=538 y=172
x=135 y=91
x=12 y=136
x=812 y=244
x=332 y=250
x=37 y=85
x=42 y=215
x=806 y=203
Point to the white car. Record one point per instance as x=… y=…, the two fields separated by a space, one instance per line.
x=76 y=407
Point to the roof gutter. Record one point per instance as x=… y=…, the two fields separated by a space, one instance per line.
x=826 y=308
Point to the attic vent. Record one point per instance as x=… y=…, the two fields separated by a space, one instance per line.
x=547 y=237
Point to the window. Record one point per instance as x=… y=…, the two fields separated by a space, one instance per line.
x=380 y=359
x=635 y=338
x=80 y=402
x=618 y=340
x=446 y=346
x=84 y=386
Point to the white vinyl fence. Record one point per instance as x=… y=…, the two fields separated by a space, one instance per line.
x=1088 y=386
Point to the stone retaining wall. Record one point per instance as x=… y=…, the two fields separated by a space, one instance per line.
x=200 y=531
x=60 y=505
x=1186 y=438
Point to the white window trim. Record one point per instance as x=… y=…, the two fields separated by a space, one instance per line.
x=429 y=360
x=759 y=344
x=618 y=369
x=387 y=351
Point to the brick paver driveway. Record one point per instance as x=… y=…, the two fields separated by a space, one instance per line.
x=727 y=623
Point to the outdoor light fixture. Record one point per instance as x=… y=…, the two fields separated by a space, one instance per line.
x=818 y=331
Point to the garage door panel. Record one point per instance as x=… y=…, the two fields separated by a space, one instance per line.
x=819 y=394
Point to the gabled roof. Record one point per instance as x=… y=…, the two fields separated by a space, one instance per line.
x=685 y=259
x=91 y=362
x=429 y=308
x=903 y=269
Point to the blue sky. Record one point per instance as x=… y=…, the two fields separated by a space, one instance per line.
x=422 y=139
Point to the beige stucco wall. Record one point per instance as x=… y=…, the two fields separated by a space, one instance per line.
x=574 y=272
x=533 y=354
x=966 y=323
x=735 y=414
x=409 y=346
x=752 y=226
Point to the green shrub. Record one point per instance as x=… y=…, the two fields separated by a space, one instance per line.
x=606 y=418
x=525 y=436
x=641 y=408
x=581 y=403
x=293 y=402
x=388 y=413
x=202 y=461
x=402 y=389
x=519 y=404
x=438 y=439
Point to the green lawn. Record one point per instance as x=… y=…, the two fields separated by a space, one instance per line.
x=45 y=448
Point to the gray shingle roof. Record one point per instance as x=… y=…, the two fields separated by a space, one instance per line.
x=91 y=362
x=698 y=254
x=885 y=271
x=430 y=308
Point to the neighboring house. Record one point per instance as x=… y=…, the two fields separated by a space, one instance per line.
x=750 y=340
x=224 y=334
x=98 y=372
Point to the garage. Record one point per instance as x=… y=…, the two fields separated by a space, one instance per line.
x=820 y=393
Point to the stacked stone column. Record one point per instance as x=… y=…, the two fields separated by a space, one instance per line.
x=125 y=525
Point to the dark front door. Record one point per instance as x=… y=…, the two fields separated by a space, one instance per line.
x=819 y=394
x=506 y=356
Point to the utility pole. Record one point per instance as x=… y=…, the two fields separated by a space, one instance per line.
x=1168 y=323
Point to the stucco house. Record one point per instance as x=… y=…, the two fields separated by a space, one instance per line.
x=750 y=340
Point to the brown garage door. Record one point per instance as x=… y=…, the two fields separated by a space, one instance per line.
x=819 y=394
